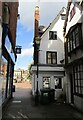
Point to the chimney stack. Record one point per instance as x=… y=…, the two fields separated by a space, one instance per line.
x=36 y=32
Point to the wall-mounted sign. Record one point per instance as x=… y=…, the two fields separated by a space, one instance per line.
x=18 y=49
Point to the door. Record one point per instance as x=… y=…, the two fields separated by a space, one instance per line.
x=58 y=87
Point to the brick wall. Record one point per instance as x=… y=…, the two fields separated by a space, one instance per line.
x=0 y=8
x=13 y=6
x=13 y=12
x=36 y=21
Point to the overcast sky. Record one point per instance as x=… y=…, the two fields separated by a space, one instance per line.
x=25 y=28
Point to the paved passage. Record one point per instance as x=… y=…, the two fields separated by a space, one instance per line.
x=22 y=107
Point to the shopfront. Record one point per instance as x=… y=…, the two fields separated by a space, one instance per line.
x=7 y=65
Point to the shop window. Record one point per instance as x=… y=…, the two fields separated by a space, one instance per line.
x=9 y=79
x=52 y=35
x=68 y=44
x=78 y=79
x=46 y=82
x=58 y=83
x=51 y=57
x=4 y=76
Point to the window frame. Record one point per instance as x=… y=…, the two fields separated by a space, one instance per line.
x=74 y=42
x=51 y=58
x=46 y=77
x=52 y=36
x=78 y=79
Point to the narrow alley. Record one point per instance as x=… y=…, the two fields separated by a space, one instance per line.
x=41 y=60
x=22 y=106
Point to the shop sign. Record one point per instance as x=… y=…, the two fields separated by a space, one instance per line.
x=18 y=49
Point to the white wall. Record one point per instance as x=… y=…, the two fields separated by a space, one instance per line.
x=52 y=84
x=76 y=18
x=52 y=45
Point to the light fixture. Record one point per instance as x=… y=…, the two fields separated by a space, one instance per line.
x=37 y=40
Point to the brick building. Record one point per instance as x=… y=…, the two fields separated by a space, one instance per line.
x=8 y=55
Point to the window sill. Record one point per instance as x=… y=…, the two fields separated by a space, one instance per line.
x=79 y=95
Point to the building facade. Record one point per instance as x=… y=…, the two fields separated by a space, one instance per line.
x=8 y=42
x=73 y=33
x=50 y=57
x=20 y=75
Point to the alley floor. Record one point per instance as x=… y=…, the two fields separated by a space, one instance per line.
x=22 y=107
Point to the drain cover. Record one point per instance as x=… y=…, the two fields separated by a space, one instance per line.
x=16 y=101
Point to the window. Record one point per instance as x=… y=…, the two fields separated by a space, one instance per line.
x=63 y=16
x=51 y=57
x=71 y=44
x=3 y=70
x=74 y=38
x=52 y=35
x=46 y=82
x=78 y=79
x=58 y=83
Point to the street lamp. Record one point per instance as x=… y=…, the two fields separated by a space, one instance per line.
x=37 y=40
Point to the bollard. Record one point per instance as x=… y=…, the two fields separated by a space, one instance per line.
x=37 y=98
x=13 y=88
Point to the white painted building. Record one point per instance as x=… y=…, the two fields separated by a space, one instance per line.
x=73 y=32
x=51 y=55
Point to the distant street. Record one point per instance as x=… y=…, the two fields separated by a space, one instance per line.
x=25 y=84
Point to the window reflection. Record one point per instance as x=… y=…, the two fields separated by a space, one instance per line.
x=4 y=76
x=58 y=83
x=46 y=82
